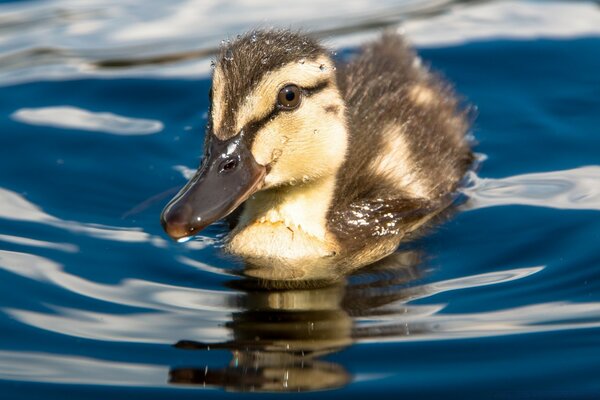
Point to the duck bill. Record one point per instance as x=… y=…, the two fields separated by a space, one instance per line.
x=228 y=176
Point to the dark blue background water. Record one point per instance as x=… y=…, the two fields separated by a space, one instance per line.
x=506 y=300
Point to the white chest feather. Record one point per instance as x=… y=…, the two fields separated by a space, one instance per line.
x=288 y=223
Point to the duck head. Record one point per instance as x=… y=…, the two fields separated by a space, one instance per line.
x=276 y=120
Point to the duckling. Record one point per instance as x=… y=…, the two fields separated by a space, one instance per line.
x=329 y=166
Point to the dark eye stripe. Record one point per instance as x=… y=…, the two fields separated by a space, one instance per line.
x=253 y=127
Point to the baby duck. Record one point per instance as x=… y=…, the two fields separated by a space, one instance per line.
x=331 y=165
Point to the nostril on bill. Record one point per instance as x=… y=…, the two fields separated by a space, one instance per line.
x=228 y=165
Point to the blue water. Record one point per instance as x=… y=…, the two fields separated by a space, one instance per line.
x=501 y=301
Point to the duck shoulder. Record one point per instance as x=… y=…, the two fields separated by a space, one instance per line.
x=407 y=149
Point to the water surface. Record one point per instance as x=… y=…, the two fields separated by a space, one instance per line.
x=102 y=108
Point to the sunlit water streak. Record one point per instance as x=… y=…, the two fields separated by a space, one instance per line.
x=15 y=207
x=68 y=117
x=575 y=189
x=53 y=368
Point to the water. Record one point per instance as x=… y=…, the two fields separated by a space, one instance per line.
x=102 y=106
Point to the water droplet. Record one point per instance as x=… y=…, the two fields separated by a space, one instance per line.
x=229 y=55
x=334 y=53
x=302 y=61
x=322 y=67
x=263 y=61
x=267 y=42
x=253 y=38
x=305 y=178
x=213 y=64
x=238 y=37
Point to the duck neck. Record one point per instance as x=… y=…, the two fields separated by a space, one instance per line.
x=301 y=207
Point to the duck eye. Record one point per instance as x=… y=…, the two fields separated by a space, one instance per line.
x=289 y=97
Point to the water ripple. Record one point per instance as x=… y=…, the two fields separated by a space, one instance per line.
x=81 y=41
x=573 y=189
x=68 y=117
x=54 y=368
x=130 y=292
x=200 y=313
x=66 y=247
x=15 y=207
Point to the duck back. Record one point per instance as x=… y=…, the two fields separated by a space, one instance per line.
x=407 y=149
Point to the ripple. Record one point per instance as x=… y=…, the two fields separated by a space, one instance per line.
x=282 y=332
x=15 y=207
x=544 y=317
x=506 y=20
x=66 y=247
x=54 y=368
x=200 y=313
x=573 y=189
x=130 y=292
x=155 y=328
x=68 y=117
x=96 y=38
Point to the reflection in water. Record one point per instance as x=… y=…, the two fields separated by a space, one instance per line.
x=68 y=117
x=277 y=349
x=277 y=332
x=512 y=19
x=54 y=368
x=285 y=327
x=66 y=247
x=574 y=189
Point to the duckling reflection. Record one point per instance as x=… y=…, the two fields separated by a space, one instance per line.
x=287 y=326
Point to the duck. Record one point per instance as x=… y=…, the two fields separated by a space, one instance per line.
x=319 y=162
